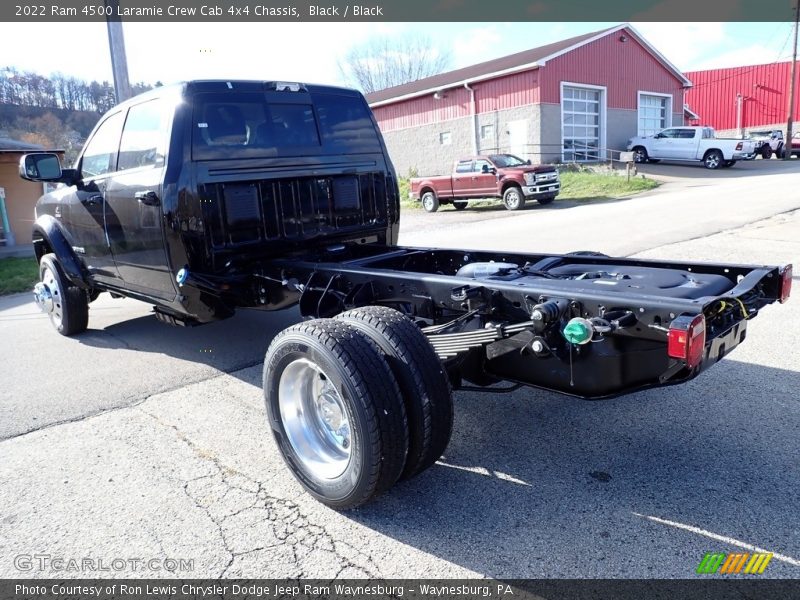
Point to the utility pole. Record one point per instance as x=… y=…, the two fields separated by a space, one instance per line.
x=116 y=45
x=787 y=145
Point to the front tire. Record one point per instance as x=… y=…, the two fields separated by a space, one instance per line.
x=422 y=379
x=713 y=159
x=513 y=198
x=766 y=152
x=587 y=253
x=430 y=202
x=640 y=154
x=460 y=204
x=66 y=304
x=546 y=199
x=336 y=412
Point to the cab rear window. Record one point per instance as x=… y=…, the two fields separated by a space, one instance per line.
x=254 y=124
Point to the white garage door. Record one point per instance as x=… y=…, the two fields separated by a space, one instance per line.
x=580 y=122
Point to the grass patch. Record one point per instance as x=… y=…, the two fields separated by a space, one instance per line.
x=575 y=185
x=18 y=275
x=586 y=185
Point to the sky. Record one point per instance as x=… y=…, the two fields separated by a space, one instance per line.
x=308 y=52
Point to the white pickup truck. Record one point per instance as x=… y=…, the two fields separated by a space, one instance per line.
x=691 y=143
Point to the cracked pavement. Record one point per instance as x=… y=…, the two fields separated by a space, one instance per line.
x=154 y=480
x=140 y=440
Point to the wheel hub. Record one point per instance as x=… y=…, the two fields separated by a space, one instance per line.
x=43 y=297
x=332 y=418
x=315 y=419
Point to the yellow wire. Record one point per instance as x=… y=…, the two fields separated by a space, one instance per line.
x=744 y=309
x=724 y=305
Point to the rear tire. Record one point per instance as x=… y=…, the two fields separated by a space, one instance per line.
x=460 y=204
x=430 y=202
x=423 y=381
x=336 y=412
x=70 y=312
x=587 y=253
x=513 y=198
x=713 y=159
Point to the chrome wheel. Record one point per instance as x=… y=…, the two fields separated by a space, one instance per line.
x=430 y=202
x=513 y=198
x=713 y=160
x=315 y=419
x=48 y=297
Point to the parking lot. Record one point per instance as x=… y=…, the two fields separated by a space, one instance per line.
x=139 y=440
x=696 y=201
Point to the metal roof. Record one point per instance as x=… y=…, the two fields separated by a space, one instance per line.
x=521 y=61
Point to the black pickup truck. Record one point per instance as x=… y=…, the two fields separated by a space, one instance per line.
x=209 y=196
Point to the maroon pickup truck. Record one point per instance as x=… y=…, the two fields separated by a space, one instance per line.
x=494 y=176
x=795 y=146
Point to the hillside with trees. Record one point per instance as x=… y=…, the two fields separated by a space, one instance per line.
x=56 y=111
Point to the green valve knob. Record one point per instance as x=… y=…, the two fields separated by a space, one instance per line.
x=578 y=331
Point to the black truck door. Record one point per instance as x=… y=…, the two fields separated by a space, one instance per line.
x=85 y=218
x=133 y=202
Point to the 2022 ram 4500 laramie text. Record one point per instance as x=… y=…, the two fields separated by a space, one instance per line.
x=208 y=196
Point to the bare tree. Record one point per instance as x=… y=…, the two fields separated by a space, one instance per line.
x=25 y=88
x=384 y=62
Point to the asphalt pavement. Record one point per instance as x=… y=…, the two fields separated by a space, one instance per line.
x=140 y=440
x=694 y=202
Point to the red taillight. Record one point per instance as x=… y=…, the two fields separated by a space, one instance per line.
x=739 y=146
x=686 y=339
x=786 y=283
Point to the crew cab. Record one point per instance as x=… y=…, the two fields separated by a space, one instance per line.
x=691 y=144
x=210 y=196
x=502 y=176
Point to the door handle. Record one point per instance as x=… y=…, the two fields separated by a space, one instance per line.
x=148 y=198
x=92 y=200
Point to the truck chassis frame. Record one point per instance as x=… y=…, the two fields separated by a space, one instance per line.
x=510 y=327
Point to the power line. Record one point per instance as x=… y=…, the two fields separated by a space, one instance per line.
x=738 y=71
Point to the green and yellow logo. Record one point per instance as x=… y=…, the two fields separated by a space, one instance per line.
x=734 y=563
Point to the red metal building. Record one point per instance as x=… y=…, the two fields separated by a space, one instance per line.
x=579 y=99
x=739 y=99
